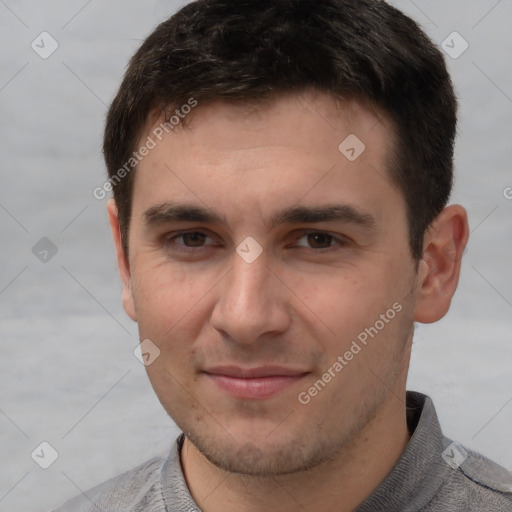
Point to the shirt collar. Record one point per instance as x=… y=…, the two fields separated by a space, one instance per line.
x=420 y=470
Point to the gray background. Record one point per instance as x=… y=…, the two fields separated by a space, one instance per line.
x=68 y=375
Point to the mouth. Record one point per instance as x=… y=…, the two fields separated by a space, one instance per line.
x=253 y=383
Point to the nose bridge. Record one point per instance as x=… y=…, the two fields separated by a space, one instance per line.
x=249 y=301
x=247 y=285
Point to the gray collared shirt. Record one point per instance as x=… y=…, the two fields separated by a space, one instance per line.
x=433 y=474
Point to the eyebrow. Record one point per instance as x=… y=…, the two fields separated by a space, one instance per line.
x=166 y=213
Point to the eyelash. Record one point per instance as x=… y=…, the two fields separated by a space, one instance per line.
x=338 y=242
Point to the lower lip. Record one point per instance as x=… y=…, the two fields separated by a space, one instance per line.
x=259 y=387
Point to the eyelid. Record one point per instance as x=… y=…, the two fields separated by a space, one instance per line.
x=170 y=239
x=339 y=240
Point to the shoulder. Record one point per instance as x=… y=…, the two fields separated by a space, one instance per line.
x=486 y=473
x=134 y=490
x=473 y=482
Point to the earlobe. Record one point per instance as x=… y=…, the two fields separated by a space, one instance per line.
x=123 y=263
x=439 y=268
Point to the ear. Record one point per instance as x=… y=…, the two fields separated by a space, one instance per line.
x=439 y=267
x=123 y=263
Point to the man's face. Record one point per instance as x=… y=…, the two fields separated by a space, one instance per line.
x=244 y=336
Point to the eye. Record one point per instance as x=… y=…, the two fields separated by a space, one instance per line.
x=193 y=239
x=189 y=240
x=319 y=240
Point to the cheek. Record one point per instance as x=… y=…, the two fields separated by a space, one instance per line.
x=353 y=305
x=166 y=296
x=345 y=299
x=171 y=310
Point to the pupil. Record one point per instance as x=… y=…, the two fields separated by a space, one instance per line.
x=316 y=239
x=195 y=239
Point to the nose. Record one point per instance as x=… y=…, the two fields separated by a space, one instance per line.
x=251 y=302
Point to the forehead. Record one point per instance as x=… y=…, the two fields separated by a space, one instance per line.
x=298 y=147
x=310 y=114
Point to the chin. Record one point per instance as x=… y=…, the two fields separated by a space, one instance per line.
x=261 y=459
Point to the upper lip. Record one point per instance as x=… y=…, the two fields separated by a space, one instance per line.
x=255 y=372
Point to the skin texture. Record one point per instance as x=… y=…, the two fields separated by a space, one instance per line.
x=299 y=305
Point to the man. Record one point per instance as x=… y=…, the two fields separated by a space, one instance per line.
x=280 y=174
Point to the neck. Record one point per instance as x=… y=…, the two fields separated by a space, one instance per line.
x=341 y=484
